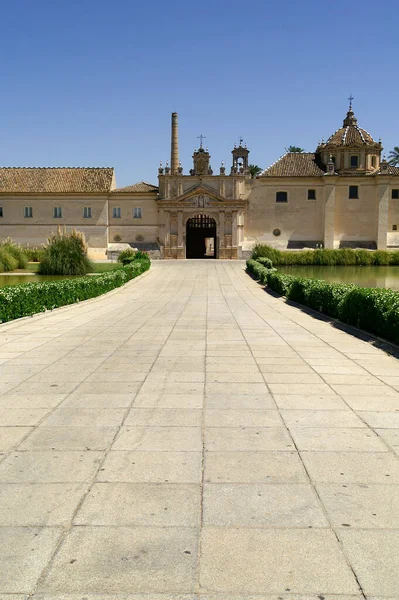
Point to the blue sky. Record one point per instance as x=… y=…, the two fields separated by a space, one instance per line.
x=93 y=83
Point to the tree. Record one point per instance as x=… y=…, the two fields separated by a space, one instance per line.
x=294 y=149
x=393 y=157
x=254 y=170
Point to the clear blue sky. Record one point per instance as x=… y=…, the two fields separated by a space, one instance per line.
x=93 y=83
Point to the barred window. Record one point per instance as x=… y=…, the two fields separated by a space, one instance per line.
x=395 y=194
x=137 y=213
x=57 y=213
x=116 y=212
x=28 y=212
x=1 y=212
x=87 y=212
x=354 y=161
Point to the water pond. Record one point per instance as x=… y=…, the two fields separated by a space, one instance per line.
x=384 y=277
x=31 y=278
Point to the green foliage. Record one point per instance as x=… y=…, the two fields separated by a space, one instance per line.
x=254 y=170
x=16 y=252
x=259 y=270
x=7 y=261
x=393 y=157
x=127 y=253
x=139 y=255
x=342 y=257
x=34 y=254
x=266 y=262
x=65 y=254
x=294 y=149
x=372 y=309
x=29 y=298
x=12 y=256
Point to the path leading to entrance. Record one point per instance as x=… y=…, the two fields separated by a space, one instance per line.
x=191 y=437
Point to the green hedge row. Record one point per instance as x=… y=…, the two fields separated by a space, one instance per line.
x=29 y=298
x=344 y=257
x=375 y=310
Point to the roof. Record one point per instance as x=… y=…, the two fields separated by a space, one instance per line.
x=350 y=134
x=51 y=180
x=294 y=164
x=141 y=186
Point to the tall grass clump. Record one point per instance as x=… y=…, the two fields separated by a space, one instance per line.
x=16 y=252
x=65 y=254
x=34 y=254
x=7 y=261
x=326 y=257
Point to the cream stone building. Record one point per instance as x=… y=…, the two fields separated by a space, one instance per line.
x=343 y=194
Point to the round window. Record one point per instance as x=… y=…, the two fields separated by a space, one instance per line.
x=276 y=232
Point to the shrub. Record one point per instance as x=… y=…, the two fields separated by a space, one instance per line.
x=372 y=309
x=266 y=262
x=9 y=263
x=259 y=271
x=127 y=253
x=344 y=256
x=34 y=254
x=29 y=298
x=16 y=252
x=65 y=254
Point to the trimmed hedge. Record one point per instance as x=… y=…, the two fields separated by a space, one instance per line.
x=30 y=298
x=375 y=310
x=343 y=257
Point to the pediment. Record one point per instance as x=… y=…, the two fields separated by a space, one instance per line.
x=201 y=190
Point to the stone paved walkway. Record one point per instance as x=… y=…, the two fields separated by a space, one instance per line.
x=190 y=436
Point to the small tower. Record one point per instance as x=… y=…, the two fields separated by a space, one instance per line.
x=201 y=158
x=240 y=158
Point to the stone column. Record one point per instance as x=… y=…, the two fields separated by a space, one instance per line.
x=329 y=215
x=221 y=253
x=180 y=249
x=383 y=209
x=167 y=228
x=234 y=229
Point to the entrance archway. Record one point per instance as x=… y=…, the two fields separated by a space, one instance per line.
x=201 y=237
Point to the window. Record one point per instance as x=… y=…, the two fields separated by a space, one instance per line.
x=137 y=213
x=28 y=212
x=116 y=212
x=394 y=228
x=1 y=212
x=87 y=212
x=395 y=194
x=354 y=161
x=353 y=191
x=373 y=161
x=281 y=197
x=57 y=213
x=311 y=194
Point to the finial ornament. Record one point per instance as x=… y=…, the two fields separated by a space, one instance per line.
x=350 y=101
x=241 y=141
x=201 y=138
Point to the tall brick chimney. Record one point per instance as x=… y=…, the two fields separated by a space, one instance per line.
x=174 y=150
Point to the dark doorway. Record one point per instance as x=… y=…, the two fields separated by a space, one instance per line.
x=201 y=237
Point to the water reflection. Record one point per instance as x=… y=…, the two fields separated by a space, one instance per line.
x=384 y=277
x=18 y=279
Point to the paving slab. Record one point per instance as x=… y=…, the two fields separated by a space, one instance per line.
x=126 y=559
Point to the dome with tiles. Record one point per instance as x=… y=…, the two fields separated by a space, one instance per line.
x=350 y=134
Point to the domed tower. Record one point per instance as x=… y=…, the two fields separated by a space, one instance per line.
x=351 y=148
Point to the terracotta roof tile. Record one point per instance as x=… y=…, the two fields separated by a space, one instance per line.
x=294 y=164
x=49 y=180
x=141 y=186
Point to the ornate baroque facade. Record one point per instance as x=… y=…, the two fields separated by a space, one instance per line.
x=343 y=194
